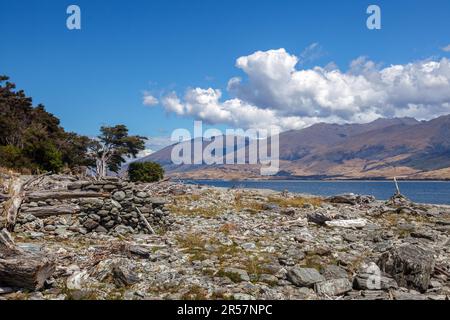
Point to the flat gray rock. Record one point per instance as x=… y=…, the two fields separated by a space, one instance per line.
x=304 y=277
x=335 y=287
x=410 y=265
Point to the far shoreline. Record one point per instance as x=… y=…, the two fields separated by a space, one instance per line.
x=311 y=180
x=430 y=192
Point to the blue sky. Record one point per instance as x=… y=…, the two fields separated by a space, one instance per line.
x=97 y=76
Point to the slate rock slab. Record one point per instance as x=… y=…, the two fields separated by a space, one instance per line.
x=410 y=265
x=304 y=277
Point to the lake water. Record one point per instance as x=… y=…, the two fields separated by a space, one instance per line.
x=433 y=192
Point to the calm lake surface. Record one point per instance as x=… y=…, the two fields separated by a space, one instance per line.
x=433 y=192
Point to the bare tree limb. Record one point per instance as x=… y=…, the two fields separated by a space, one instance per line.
x=49 y=211
x=396 y=187
x=63 y=194
x=22 y=269
x=17 y=194
x=149 y=227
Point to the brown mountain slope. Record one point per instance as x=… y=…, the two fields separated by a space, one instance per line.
x=384 y=148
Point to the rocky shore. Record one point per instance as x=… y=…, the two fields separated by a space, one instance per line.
x=119 y=240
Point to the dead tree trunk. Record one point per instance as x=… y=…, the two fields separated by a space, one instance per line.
x=13 y=205
x=49 y=211
x=3 y=197
x=397 y=189
x=61 y=195
x=22 y=269
x=17 y=195
x=147 y=224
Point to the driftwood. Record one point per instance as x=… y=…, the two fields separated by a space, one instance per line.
x=397 y=189
x=147 y=224
x=17 y=195
x=22 y=269
x=4 y=197
x=48 y=211
x=441 y=270
x=13 y=205
x=17 y=192
x=61 y=195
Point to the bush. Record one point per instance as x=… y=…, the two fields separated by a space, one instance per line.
x=12 y=157
x=145 y=172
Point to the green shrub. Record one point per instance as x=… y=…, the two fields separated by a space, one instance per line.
x=145 y=172
x=12 y=157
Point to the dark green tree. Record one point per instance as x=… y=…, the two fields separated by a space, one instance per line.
x=145 y=172
x=32 y=138
x=112 y=146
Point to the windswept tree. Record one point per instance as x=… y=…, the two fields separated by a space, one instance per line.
x=32 y=138
x=112 y=146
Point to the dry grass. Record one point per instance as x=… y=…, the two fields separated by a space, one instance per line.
x=296 y=202
x=192 y=241
x=228 y=228
x=241 y=203
x=195 y=244
x=186 y=198
x=392 y=221
x=187 y=205
x=255 y=266
x=207 y=212
x=190 y=205
x=195 y=292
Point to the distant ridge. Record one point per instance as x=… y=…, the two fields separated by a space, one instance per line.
x=384 y=148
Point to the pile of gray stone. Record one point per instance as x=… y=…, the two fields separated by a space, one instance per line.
x=123 y=208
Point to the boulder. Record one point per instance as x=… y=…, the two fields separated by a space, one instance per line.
x=119 y=196
x=158 y=202
x=90 y=224
x=318 y=217
x=410 y=265
x=366 y=281
x=353 y=223
x=123 y=273
x=304 y=277
x=77 y=280
x=119 y=271
x=123 y=230
x=351 y=199
x=334 y=287
x=101 y=229
x=331 y=272
x=139 y=250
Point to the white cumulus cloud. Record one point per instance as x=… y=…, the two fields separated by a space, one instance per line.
x=275 y=92
x=150 y=100
x=446 y=49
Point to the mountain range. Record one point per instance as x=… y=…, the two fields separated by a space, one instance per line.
x=401 y=147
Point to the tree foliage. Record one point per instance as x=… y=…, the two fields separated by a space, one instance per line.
x=112 y=146
x=145 y=172
x=32 y=138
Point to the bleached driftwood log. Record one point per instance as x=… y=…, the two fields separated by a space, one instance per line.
x=397 y=189
x=63 y=194
x=3 y=197
x=22 y=269
x=147 y=224
x=48 y=211
x=17 y=195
